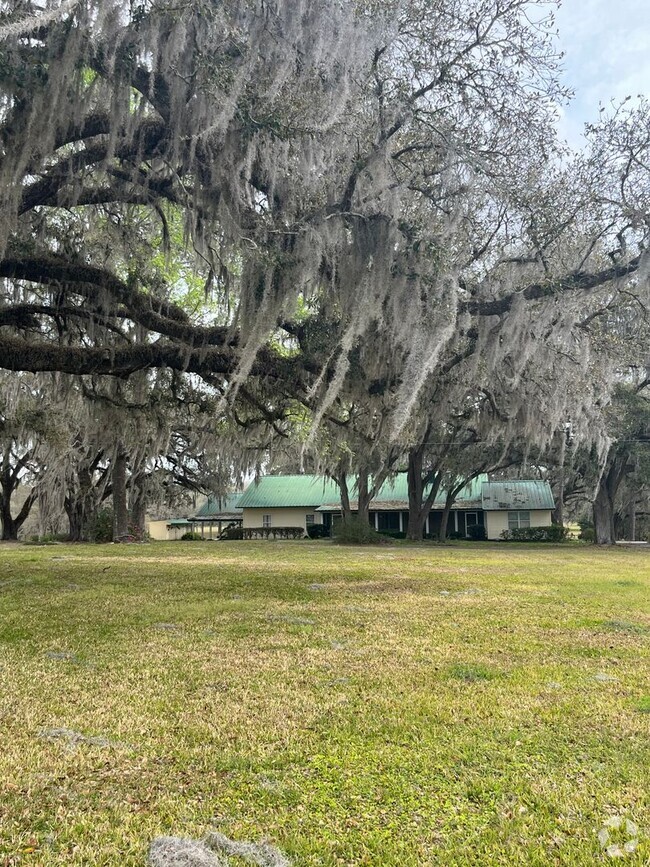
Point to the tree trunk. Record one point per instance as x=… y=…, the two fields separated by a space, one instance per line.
x=363 y=498
x=559 y=507
x=138 y=505
x=73 y=510
x=9 y=481
x=450 y=499
x=346 y=510
x=444 y=517
x=118 y=484
x=417 y=519
x=81 y=504
x=419 y=505
x=633 y=498
x=603 y=510
x=9 y=528
x=605 y=500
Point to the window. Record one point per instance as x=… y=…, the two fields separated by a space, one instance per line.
x=388 y=521
x=310 y=519
x=518 y=519
x=266 y=520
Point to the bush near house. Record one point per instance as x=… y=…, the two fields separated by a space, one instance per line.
x=318 y=531
x=356 y=532
x=232 y=534
x=191 y=537
x=477 y=533
x=554 y=533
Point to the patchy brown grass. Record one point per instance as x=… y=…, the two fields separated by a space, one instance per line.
x=466 y=705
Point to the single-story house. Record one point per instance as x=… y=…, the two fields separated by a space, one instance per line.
x=302 y=500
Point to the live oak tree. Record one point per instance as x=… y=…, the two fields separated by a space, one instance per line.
x=26 y=423
x=628 y=452
x=621 y=333
x=447 y=458
x=369 y=180
x=162 y=435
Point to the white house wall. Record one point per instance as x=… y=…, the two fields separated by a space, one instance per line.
x=160 y=531
x=280 y=517
x=497 y=522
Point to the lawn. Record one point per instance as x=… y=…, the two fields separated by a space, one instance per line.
x=407 y=705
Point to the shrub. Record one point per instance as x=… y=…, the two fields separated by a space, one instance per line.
x=191 y=537
x=356 y=532
x=587 y=531
x=393 y=534
x=554 y=533
x=232 y=534
x=139 y=534
x=455 y=535
x=101 y=525
x=45 y=539
x=236 y=533
x=273 y=532
x=318 y=531
x=477 y=533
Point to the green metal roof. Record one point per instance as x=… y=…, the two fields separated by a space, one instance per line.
x=395 y=490
x=276 y=492
x=517 y=494
x=216 y=506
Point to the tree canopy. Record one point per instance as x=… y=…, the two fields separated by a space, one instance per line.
x=362 y=209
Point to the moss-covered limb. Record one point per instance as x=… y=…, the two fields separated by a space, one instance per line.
x=18 y=354
x=576 y=282
x=154 y=313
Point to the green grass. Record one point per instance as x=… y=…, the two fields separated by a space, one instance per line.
x=408 y=705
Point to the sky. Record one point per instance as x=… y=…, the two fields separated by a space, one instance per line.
x=607 y=47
